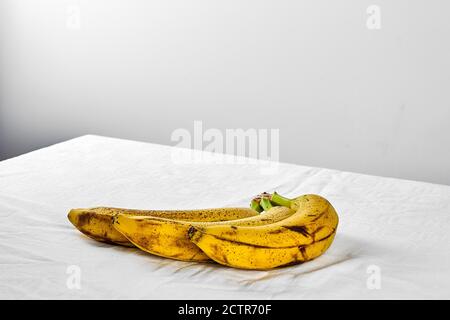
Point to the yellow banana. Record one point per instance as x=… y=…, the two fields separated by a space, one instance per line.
x=97 y=223
x=303 y=236
x=169 y=238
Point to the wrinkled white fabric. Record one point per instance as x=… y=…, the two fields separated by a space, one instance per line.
x=397 y=229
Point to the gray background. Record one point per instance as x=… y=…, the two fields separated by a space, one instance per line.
x=343 y=96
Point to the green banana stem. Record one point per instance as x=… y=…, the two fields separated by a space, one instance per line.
x=256 y=206
x=280 y=200
x=265 y=204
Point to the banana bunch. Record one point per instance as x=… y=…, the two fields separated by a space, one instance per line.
x=287 y=232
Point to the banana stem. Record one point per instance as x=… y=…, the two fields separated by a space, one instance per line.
x=256 y=206
x=280 y=200
x=265 y=204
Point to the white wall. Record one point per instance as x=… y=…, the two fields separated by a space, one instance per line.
x=343 y=96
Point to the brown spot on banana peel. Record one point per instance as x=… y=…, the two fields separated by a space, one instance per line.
x=302 y=250
x=84 y=218
x=197 y=231
x=142 y=241
x=290 y=264
x=276 y=231
x=321 y=214
x=225 y=259
x=327 y=236
x=155 y=245
x=114 y=219
x=196 y=235
x=180 y=242
x=192 y=234
x=79 y=218
x=316 y=231
x=219 y=254
x=303 y=253
x=299 y=229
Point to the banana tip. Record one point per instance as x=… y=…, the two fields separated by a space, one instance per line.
x=72 y=216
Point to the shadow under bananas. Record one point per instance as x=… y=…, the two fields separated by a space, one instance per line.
x=343 y=250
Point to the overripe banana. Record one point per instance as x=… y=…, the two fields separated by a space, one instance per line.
x=97 y=223
x=302 y=236
x=169 y=238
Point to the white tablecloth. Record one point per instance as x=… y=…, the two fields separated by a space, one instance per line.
x=393 y=240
